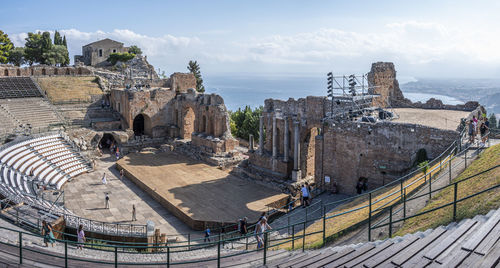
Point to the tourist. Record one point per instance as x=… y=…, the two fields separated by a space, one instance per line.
x=104 y=180
x=484 y=129
x=81 y=237
x=305 y=196
x=117 y=153
x=48 y=235
x=262 y=216
x=260 y=229
x=106 y=199
x=103 y=102
x=207 y=235
x=474 y=123
x=309 y=190
x=359 y=186
x=121 y=174
x=471 y=131
x=243 y=226
x=133 y=213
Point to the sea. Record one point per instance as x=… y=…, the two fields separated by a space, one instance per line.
x=239 y=91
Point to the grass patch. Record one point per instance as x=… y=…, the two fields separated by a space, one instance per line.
x=478 y=205
x=341 y=223
x=69 y=88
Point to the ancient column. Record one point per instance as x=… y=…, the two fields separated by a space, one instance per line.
x=285 y=140
x=261 y=134
x=250 y=143
x=275 y=138
x=296 y=152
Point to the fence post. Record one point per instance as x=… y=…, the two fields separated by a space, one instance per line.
x=455 y=202
x=401 y=180
x=370 y=217
x=288 y=226
x=449 y=168
x=390 y=221
x=465 y=158
x=293 y=237
x=430 y=186
x=265 y=247
x=246 y=242
x=218 y=254
x=189 y=241
x=168 y=256
x=404 y=206
x=116 y=256
x=324 y=226
x=304 y=238
x=440 y=163
x=65 y=253
x=307 y=208
x=20 y=248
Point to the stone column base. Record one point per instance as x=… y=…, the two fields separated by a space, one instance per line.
x=296 y=175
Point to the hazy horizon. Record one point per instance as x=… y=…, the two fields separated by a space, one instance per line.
x=452 y=39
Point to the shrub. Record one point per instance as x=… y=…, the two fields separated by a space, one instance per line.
x=123 y=57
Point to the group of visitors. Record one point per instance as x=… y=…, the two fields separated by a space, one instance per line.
x=481 y=126
x=48 y=235
x=362 y=185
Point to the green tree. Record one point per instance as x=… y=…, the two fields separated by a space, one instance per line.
x=33 y=48
x=5 y=47
x=16 y=56
x=135 y=50
x=493 y=121
x=65 y=44
x=37 y=44
x=194 y=68
x=245 y=122
x=56 y=55
x=57 y=38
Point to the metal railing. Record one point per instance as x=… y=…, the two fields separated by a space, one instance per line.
x=166 y=253
x=376 y=201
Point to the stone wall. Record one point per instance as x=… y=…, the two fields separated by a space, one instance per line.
x=383 y=77
x=380 y=152
x=7 y=70
x=180 y=113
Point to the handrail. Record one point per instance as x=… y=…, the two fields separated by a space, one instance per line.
x=449 y=150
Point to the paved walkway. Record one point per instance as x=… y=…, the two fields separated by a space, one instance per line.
x=85 y=197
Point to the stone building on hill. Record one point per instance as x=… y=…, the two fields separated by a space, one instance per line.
x=98 y=52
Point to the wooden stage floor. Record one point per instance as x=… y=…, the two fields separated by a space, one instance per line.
x=196 y=192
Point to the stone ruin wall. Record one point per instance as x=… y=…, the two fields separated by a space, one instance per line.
x=7 y=70
x=383 y=76
x=380 y=152
x=180 y=113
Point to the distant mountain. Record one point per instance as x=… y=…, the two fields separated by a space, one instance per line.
x=486 y=91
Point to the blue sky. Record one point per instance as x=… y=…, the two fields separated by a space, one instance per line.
x=423 y=38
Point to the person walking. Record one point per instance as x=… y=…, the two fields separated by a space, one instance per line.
x=117 y=153
x=133 y=213
x=81 y=237
x=48 y=235
x=471 y=131
x=260 y=228
x=121 y=174
x=243 y=226
x=104 y=180
x=305 y=196
x=207 y=235
x=485 y=131
x=106 y=199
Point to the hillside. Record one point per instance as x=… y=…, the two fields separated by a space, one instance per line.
x=69 y=88
x=480 y=204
